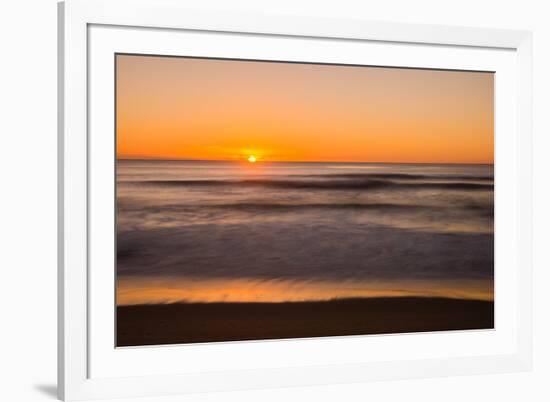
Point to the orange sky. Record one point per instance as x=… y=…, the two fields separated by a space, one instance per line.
x=183 y=108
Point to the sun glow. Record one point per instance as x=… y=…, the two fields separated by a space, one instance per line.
x=257 y=112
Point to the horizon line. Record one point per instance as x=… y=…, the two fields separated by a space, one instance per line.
x=296 y=161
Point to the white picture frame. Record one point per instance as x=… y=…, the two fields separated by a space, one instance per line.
x=90 y=31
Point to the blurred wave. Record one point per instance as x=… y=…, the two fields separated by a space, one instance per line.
x=358 y=184
x=375 y=229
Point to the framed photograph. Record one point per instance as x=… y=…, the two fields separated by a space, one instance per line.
x=252 y=201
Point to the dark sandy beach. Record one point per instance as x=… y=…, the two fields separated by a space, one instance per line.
x=216 y=322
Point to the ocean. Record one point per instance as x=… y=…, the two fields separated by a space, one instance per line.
x=212 y=231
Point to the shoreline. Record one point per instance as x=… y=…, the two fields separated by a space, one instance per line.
x=177 y=323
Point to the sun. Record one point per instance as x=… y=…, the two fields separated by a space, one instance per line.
x=252 y=159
